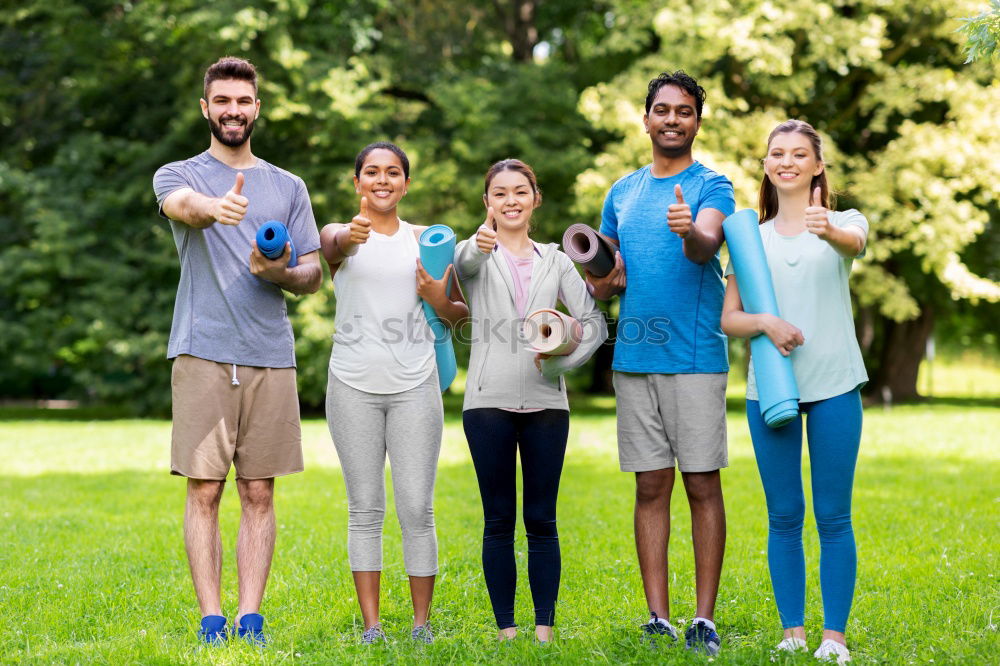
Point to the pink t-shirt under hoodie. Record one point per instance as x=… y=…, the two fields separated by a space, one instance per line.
x=520 y=270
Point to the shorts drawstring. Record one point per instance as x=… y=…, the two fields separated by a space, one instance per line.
x=236 y=382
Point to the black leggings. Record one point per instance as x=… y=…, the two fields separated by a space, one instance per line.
x=494 y=438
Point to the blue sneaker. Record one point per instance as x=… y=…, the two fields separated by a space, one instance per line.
x=213 y=630
x=251 y=629
x=700 y=637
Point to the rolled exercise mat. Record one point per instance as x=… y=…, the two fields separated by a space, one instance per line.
x=437 y=251
x=594 y=251
x=271 y=239
x=552 y=332
x=776 y=388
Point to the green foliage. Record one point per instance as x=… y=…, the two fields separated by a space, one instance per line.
x=99 y=576
x=909 y=135
x=96 y=94
x=982 y=33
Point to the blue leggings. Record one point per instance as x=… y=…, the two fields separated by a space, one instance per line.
x=833 y=428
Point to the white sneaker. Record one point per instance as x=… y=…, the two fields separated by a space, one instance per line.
x=830 y=648
x=792 y=644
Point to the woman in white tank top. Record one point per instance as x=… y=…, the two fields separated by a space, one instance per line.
x=383 y=396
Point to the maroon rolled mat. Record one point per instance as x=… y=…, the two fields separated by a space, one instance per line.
x=594 y=251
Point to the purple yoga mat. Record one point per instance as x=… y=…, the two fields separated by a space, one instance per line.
x=594 y=251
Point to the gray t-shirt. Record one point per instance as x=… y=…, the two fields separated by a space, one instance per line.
x=223 y=312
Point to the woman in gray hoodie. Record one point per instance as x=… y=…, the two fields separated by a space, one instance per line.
x=515 y=399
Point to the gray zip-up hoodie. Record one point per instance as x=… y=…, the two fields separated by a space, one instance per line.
x=502 y=372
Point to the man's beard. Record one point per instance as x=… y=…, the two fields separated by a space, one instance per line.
x=231 y=141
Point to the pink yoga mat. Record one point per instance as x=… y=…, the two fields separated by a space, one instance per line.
x=552 y=332
x=594 y=251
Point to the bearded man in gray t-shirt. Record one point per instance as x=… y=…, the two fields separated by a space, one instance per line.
x=233 y=378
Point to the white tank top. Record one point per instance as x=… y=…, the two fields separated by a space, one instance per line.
x=382 y=342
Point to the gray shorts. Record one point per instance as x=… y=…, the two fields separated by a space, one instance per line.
x=663 y=418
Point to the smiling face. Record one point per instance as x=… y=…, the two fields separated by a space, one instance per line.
x=381 y=179
x=672 y=122
x=512 y=198
x=231 y=109
x=791 y=162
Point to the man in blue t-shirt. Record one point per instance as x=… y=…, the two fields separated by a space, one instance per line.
x=670 y=358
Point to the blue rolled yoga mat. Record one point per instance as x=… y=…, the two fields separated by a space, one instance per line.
x=776 y=388
x=271 y=239
x=437 y=251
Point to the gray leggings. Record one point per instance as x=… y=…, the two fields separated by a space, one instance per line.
x=407 y=426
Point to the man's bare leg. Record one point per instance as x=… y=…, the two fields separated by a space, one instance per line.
x=652 y=536
x=255 y=542
x=708 y=535
x=204 y=543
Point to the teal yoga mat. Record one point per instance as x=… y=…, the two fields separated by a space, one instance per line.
x=271 y=239
x=437 y=251
x=776 y=388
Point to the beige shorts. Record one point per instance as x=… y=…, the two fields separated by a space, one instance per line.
x=253 y=426
x=668 y=418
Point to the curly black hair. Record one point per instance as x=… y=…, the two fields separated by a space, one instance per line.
x=683 y=81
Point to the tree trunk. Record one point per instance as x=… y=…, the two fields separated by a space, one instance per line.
x=518 y=18
x=904 y=345
x=602 y=374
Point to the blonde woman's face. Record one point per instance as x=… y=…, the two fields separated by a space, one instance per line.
x=791 y=163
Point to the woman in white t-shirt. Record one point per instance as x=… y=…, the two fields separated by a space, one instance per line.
x=810 y=250
x=383 y=396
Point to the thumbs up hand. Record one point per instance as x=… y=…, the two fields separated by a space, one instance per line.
x=679 y=215
x=232 y=206
x=817 y=216
x=361 y=224
x=486 y=236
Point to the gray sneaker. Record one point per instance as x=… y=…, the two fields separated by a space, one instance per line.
x=422 y=634
x=374 y=634
x=656 y=627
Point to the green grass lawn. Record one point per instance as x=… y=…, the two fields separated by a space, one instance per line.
x=93 y=570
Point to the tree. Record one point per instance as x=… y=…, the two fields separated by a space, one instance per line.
x=908 y=136
x=982 y=33
x=95 y=95
x=93 y=98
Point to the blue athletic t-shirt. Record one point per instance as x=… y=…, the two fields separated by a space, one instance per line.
x=671 y=306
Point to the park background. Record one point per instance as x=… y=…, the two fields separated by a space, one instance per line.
x=94 y=96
